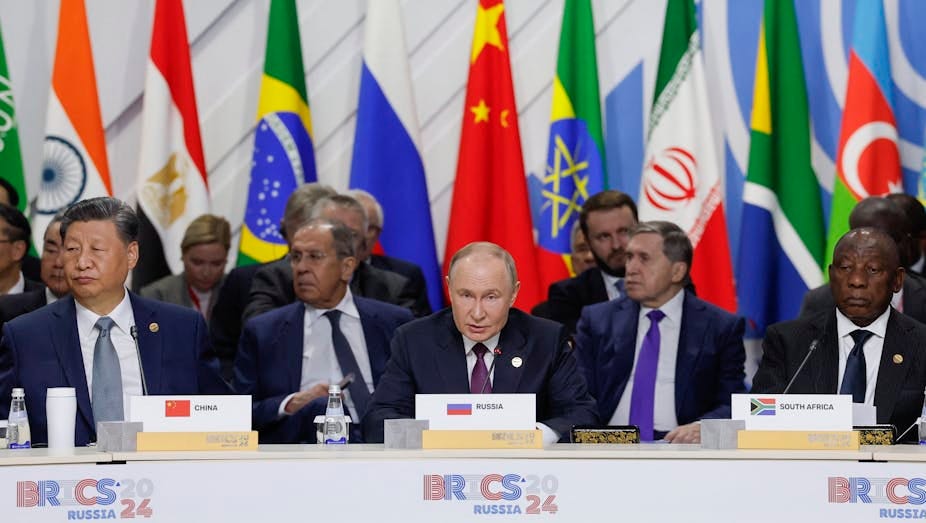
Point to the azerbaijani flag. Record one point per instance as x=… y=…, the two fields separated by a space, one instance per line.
x=868 y=159
x=283 y=155
x=173 y=188
x=782 y=237
x=74 y=163
x=575 y=154
x=681 y=178
x=387 y=145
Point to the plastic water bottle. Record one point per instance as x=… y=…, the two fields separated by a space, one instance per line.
x=921 y=423
x=18 y=433
x=336 y=429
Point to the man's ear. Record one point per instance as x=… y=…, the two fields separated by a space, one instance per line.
x=132 y=255
x=679 y=270
x=19 y=248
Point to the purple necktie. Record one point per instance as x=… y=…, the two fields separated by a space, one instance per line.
x=478 y=383
x=644 y=380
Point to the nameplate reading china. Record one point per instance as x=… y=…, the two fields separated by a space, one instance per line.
x=806 y=412
x=477 y=411
x=192 y=413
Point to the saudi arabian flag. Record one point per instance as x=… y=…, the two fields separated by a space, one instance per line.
x=575 y=158
x=283 y=155
x=782 y=233
x=11 y=164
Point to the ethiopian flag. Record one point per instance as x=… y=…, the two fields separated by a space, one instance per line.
x=283 y=156
x=575 y=155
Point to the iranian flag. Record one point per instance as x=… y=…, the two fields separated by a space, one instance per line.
x=681 y=180
x=172 y=184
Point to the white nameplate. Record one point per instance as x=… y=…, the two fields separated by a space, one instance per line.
x=477 y=411
x=192 y=413
x=793 y=411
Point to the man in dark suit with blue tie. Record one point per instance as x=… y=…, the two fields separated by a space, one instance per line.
x=660 y=358
x=456 y=351
x=88 y=341
x=288 y=356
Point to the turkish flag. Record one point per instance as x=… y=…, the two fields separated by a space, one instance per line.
x=490 y=200
x=177 y=408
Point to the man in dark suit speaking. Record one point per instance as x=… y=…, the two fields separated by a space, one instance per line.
x=288 y=356
x=88 y=341
x=452 y=351
x=863 y=346
x=660 y=358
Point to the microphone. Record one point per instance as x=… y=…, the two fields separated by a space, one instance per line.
x=133 y=330
x=498 y=353
x=813 y=347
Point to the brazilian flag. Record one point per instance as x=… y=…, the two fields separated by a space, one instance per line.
x=283 y=155
x=575 y=158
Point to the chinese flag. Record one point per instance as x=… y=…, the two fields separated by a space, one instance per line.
x=490 y=191
x=177 y=408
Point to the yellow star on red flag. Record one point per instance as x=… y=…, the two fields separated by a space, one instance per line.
x=486 y=32
x=480 y=112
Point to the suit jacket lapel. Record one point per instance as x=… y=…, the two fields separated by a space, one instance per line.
x=617 y=361
x=690 y=341
x=374 y=338
x=451 y=359
x=891 y=375
x=290 y=340
x=513 y=344
x=67 y=345
x=599 y=292
x=150 y=343
x=822 y=369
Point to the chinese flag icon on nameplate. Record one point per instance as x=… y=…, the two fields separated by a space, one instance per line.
x=177 y=408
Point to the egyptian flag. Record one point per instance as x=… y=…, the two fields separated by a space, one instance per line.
x=172 y=184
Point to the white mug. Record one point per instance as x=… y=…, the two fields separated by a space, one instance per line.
x=61 y=413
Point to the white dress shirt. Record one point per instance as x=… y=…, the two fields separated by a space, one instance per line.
x=664 y=418
x=610 y=285
x=319 y=362
x=550 y=436
x=872 y=349
x=124 y=319
x=50 y=296
x=19 y=287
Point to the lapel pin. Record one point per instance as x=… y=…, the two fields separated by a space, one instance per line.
x=516 y=362
x=154 y=327
x=898 y=358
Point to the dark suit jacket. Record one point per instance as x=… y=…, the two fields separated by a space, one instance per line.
x=914 y=299
x=273 y=287
x=709 y=366
x=416 y=286
x=269 y=364
x=41 y=349
x=174 y=289
x=899 y=388
x=225 y=324
x=567 y=297
x=31 y=268
x=428 y=358
x=15 y=305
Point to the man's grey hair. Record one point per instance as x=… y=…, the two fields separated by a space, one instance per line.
x=104 y=208
x=490 y=249
x=574 y=235
x=360 y=195
x=675 y=243
x=299 y=206
x=57 y=218
x=340 y=201
x=342 y=236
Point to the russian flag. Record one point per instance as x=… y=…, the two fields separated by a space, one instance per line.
x=386 y=160
x=459 y=409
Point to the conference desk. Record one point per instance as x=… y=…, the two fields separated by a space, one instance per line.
x=564 y=483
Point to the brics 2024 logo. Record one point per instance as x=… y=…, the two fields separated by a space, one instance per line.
x=762 y=407
x=88 y=498
x=495 y=493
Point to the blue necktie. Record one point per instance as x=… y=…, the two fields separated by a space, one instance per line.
x=107 y=376
x=619 y=285
x=856 y=375
x=359 y=393
x=644 y=380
